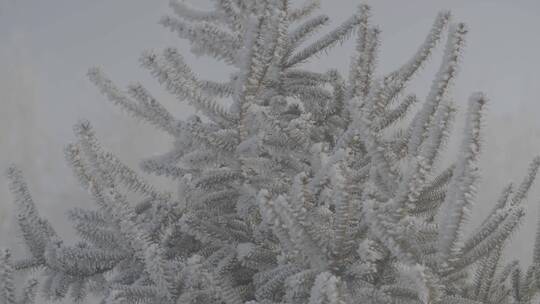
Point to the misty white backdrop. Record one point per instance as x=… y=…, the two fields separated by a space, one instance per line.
x=46 y=47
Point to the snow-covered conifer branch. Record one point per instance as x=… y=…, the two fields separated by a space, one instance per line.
x=146 y=108
x=164 y=165
x=376 y=151
x=217 y=89
x=536 y=251
x=295 y=223
x=7 y=286
x=395 y=114
x=486 y=278
x=492 y=242
x=293 y=186
x=306 y=30
x=526 y=184
x=439 y=87
x=362 y=45
x=74 y=159
x=36 y=231
x=206 y=38
x=343 y=210
x=439 y=133
x=462 y=188
x=112 y=166
x=171 y=70
x=492 y=221
x=232 y=15
x=399 y=78
x=94 y=227
x=159 y=115
x=305 y=9
x=331 y=39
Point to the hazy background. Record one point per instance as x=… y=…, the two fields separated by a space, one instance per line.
x=47 y=46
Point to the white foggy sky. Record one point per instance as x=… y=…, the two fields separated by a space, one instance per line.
x=51 y=44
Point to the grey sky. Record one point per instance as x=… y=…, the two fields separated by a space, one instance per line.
x=51 y=44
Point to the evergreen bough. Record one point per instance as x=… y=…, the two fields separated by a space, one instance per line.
x=305 y=188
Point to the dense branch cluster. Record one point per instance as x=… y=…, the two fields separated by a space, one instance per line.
x=304 y=187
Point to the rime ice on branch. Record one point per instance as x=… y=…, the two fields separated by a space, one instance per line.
x=307 y=187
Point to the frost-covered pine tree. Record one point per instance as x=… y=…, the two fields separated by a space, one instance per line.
x=294 y=186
